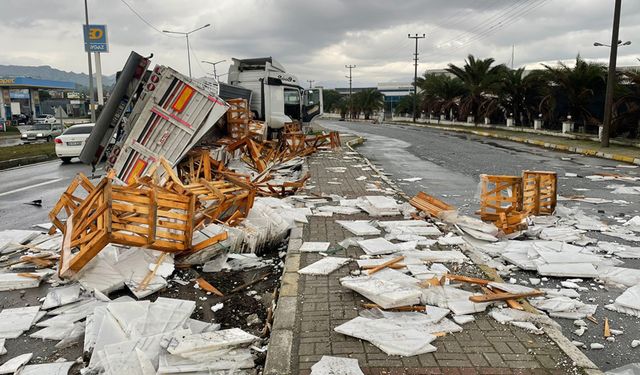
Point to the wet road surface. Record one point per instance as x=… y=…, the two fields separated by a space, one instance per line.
x=45 y=181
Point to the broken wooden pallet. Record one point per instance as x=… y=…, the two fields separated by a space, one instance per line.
x=539 y=192
x=499 y=194
x=429 y=204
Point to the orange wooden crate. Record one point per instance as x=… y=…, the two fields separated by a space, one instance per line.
x=499 y=194
x=539 y=192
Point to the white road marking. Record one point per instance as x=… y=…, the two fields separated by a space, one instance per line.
x=31 y=186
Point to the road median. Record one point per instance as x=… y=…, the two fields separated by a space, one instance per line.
x=18 y=155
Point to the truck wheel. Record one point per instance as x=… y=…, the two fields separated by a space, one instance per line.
x=49 y=139
x=65 y=160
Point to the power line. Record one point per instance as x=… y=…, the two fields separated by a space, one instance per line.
x=197 y=59
x=513 y=19
x=479 y=36
x=504 y=12
x=147 y=22
x=457 y=19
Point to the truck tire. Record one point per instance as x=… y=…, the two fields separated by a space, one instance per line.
x=65 y=160
x=49 y=139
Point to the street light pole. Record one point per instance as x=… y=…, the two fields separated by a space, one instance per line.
x=611 y=76
x=311 y=81
x=186 y=34
x=91 y=101
x=415 y=73
x=215 y=74
x=188 y=55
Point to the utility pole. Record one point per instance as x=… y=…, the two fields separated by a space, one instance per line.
x=350 y=81
x=311 y=81
x=415 y=74
x=513 y=52
x=611 y=77
x=91 y=101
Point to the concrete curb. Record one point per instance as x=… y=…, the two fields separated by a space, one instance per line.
x=6 y=164
x=281 y=343
x=280 y=351
x=535 y=142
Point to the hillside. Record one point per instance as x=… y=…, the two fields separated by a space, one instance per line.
x=47 y=72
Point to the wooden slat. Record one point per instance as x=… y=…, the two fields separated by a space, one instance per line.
x=205 y=285
x=385 y=264
x=504 y=296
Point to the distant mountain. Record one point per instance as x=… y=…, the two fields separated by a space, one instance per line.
x=47 y=72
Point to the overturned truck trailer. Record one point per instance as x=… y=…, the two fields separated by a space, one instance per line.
x=171 y=114
x=164 y=114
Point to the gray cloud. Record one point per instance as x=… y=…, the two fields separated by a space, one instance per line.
x=315 y=39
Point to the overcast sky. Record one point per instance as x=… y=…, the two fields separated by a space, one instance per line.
x=315 y=39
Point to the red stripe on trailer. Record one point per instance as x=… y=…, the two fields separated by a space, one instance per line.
x=166 y=117
x=177 y=87
x=216 y=100
x=180 y=120
x=157 y=112
x=149 y=130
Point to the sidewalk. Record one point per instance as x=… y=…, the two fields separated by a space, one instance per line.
x=310 y=307
x=626 y=154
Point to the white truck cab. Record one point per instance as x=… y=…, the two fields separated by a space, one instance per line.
x=276 y=96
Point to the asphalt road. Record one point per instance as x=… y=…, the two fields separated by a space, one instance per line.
x=44 y=181
x=450 y=163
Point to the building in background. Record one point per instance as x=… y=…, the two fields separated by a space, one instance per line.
x=392 y=91
x=21 y=95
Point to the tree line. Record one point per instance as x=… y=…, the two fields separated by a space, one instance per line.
x=483 y=89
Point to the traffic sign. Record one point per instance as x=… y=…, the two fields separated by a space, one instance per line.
x=95 y=38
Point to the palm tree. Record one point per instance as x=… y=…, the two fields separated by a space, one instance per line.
x=404 y=105
x=480 y=77
x=579 y=86
x=626 y=109
x=440 y=92
x=517 y=94
x=330 y=100
x=343 y=106
x=368 y=101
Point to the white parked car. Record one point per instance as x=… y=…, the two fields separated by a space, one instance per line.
x=45 y=119
x=41 y=132
x=70 y=143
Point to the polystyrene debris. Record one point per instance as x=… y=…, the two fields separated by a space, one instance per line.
x=11 y=366
x=377 y=246
x=359 y=227
x=329 y=365
x=463 y=319
x=314 y=246
x=13 y=322
x=403 y=335
x=324 y=266
x=387 y=288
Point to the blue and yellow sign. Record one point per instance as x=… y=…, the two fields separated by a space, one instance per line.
x=95 y=38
